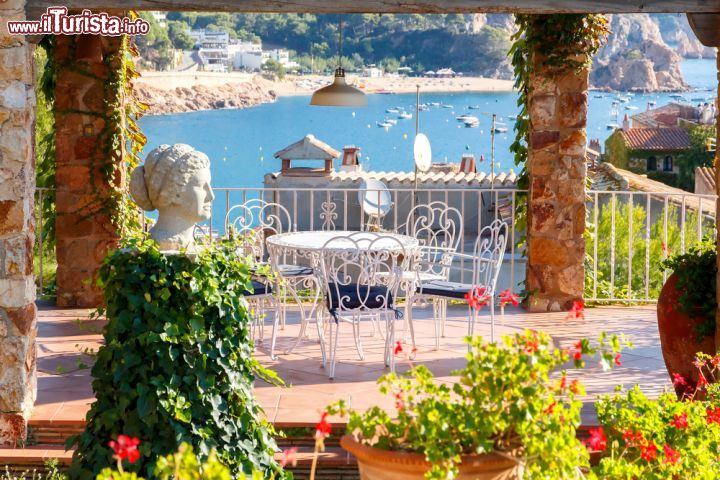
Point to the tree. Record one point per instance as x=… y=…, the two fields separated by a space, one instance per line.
x=274 y=68
x=696 y=156
x=177 y=32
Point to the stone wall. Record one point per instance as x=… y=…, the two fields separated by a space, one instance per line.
x=84 y=231
x=17 y=229
x=556 y=201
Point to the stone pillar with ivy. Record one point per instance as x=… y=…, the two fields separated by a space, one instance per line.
x=551 y=59
x=17 y=229
x=91 y=125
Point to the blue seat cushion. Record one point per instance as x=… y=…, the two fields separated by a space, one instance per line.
x=374 y=297
x=442 y=288
x=294 y=270
x=258 y=288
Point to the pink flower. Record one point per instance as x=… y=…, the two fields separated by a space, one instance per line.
x=323 y=427
x=679 y=380
x=680 y=421
x=577 y=311
x=125 y=447
x=671 y=456
x=289 y=457
x=648 y=452
x=477 y=298
x=597 y=440
x=508 y=297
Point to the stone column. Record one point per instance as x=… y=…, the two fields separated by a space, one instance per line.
x=17 y=229
x=556 y=201
x=83 y=225
x=717 y=205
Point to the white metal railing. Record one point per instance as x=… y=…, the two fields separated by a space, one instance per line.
x=623 y=250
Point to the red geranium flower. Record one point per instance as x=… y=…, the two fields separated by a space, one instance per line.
x=715 y=360
x=597 y=440
x=713 y=416
x=671 y=456
x=508 y=297
x=477 y=298
x=125 y=448
x=680 y=421
x=550 y=408
x=399 y=401
x=702 y=381
x=633 y=438
x=398 y=348
x=563 y=382
x=575 y=386
x=679 y=380
x=323 y=428
x=617 y=360
x=577 y=311
x=577 y=355
x=648 y=452
x=532 y=345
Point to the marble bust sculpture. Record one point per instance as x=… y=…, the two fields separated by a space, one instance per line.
x=175 y=181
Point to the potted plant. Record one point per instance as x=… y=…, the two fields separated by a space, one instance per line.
x=667 y=438
x=686 y=311
x=504 y=417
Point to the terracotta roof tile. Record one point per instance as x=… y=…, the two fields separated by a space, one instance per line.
x=707 y=174
x=656 y=138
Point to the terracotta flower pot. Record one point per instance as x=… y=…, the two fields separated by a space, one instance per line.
x=378 y=464
x=678 y=337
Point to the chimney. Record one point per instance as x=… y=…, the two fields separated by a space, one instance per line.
x=626 y=123
x=350 y=159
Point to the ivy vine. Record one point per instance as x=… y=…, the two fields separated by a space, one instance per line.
x=559 y=43
x=119 y=143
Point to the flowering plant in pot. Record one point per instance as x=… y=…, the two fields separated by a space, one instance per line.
x=686 y=309
x=667 y=438
x=504 y=417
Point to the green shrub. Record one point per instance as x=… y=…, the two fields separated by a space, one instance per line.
x=176 y=365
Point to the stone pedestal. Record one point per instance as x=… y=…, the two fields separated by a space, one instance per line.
x=83 y=225
x=556 y=201
x=17 y=229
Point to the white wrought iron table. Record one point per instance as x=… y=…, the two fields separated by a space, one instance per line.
x=308 y=245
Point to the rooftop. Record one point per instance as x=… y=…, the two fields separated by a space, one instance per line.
x=665 y=116
x=659 y=138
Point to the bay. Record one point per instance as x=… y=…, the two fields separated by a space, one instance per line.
x=241 y=143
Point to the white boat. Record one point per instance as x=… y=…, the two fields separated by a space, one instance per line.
x=435 y=104
x=444 y=105
x=630 y=107
x=473 y=107
x=463 y=117
x=405 y=115
x=501 y=129
x=392 y=110
x=472 y=122
x=384 y=124
x=612 y=126
x=512 y=117
x=391 y=121
x=423 y=108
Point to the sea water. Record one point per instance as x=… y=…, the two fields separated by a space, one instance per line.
x=241 y=143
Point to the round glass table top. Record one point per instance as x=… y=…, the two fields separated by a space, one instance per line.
x=317 y=240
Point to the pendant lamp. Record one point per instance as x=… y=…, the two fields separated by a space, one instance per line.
x=339 y=93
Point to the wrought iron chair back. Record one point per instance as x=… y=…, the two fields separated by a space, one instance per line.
x=255 y=220
x=488 y=255
x=439 y=228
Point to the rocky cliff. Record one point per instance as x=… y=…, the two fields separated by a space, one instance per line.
x=637 y=58
x=203 y=97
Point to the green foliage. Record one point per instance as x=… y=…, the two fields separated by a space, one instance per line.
x=681 y=438
x=176 y=365
x=45 y=135
x=696 y=271
x=696 y=156
x=503 y=401
x=613 y=258
x=177 y=33
x=274 y=68
x=51 y=473
x=156 y=44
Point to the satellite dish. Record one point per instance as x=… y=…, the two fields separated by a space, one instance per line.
x=422 y=152
x=374 y=198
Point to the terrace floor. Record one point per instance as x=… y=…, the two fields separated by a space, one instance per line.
x=64 y=382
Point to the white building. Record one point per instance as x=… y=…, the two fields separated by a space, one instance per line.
x=213 y=51
x=160 y=18
x=246 y=55
x=371 y=71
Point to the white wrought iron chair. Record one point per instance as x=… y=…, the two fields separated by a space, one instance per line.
x=486 y=263
x=360 y=278
x=251 y=223
x=439 y=228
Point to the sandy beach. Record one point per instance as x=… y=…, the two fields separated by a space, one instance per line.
x=304 y=85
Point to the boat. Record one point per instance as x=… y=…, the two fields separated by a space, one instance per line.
x=423 y=108
x=384 y=124
x=699 y=99
x=677 y=96
x=472 y=122
x=630 y=107
x=392 y=110
x=501 y=129
x=434 y=104
x=473 y=107
x=512 y=117
x=463 y=117
x=599 y=96
x=391 y=121
x=612 y=126
x=405 y=115
x=445 y=105
x=623 y=99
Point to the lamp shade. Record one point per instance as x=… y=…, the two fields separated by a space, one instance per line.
x=339 y=94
